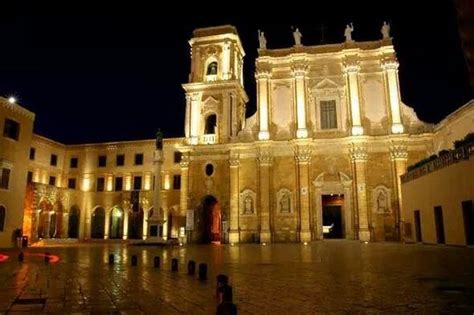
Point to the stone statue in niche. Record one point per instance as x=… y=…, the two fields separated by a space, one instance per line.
x=285 y=203
x=248 y=205
x=382 y=206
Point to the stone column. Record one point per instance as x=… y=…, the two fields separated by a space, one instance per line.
x=234 y=234
x=187 y=116
x=299 y=73
x=263 y=108
x=184 y=192
x=318 y=225
x=359 y=160
x=226 y=73
x=126 y=211
x=107 y=224
x=391 y=78
x=352 y=70
x=399 y=158
x=234 y=119
x=303 y=158
x=265 y=160
x=145 y=224
x=195 y=117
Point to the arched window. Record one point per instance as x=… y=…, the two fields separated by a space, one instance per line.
x=210 y=124
x=212 y=68
x=3 y=213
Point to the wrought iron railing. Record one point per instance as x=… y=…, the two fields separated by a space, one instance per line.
x=445 y=159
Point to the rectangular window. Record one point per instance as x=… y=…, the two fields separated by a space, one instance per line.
x=74 y=162
x=32 y=154
x=52 y=180
x=100 y=184
x=328 y=114
x=118 y=183
x=120 y=161
x=139 y=159
x=102 y=161
x=29 y=177
x=177 y=182
x=11 y=129
x=137 y=183
x=71 y=183
x=5 y=180
x=177 y=157
x=54 y=160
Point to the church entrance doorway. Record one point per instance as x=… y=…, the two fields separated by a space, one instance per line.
x=332 y=216
x=210 y=221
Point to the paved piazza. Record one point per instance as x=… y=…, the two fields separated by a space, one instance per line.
x=323 y=277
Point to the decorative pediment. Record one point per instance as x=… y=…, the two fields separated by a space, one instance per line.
x=326 y=84
x=210 y=104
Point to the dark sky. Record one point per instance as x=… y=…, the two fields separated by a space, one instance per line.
x=102 y=77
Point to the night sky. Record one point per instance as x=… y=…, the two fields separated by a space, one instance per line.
x=96 y=77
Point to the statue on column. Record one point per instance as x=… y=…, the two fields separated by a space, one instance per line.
x=262 y=40
x=385 y=30
x=297 y=37
x=159 y=140
x=348 y=32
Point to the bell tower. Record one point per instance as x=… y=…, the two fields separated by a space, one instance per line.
x=215 y=95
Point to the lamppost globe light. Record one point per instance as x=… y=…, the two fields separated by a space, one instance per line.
x=12 y=100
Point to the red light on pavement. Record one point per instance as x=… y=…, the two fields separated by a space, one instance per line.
x=3 y=257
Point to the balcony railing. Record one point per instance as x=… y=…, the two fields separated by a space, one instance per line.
x=444 y=160
x=208 y=139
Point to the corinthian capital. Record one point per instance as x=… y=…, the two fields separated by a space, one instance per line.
x=358 y=152
x=299 y=68
x=303 y=155
x=351 y=67
x=234 y=160
x=389 y=65
x=398 y=152
x=265 y=157
x=184 y=160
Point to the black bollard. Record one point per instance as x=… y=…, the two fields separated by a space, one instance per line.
x=174 y=264
x=191 y=267
x=226 y=306
x=111 y=259
x=46 y=257
x=222 y=281
x=202 y=271
x=156 y=262
x=21 y=257
x=134 y=260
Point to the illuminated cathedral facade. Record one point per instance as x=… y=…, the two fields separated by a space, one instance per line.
x=320 y=158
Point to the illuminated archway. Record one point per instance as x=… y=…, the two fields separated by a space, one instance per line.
x=116 y=223
x=73 y=223
x=98 y=223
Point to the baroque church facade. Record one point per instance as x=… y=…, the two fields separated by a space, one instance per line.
x=321 y=157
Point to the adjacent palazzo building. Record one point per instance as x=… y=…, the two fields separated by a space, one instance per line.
x=321 y=157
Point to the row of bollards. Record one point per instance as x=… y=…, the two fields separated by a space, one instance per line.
x=202 y=271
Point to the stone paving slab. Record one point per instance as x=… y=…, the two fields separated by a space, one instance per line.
x=328 y=277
